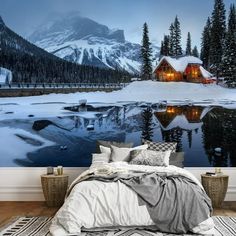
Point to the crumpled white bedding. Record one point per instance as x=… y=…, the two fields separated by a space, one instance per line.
x=93 y=204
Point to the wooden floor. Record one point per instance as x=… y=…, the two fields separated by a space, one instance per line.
x=8 y=210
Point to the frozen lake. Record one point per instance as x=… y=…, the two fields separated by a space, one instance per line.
x=69 y=139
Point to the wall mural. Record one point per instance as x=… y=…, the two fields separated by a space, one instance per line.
x=206 y=134
x=72 y=81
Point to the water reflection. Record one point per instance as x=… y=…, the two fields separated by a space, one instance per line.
x=217 y=125
x=199 y=132
x=219 y=130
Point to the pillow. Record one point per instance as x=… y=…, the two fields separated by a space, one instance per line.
x=123 y=154
x=161 y=146
x=113 y=143
x=177 y=159
x=99 y=159
x=106 y=150
x=150 y=158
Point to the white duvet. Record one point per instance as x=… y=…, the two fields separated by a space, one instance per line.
x=95 y=204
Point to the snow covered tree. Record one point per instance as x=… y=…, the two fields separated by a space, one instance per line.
x=188 y=45
x=171 y=40
x=175 y=38
x=218 y=30
x=195 y=52
x=206 y=43
x=229 y=55
x=146 y=53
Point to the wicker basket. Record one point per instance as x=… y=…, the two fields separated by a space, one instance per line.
x=216 y=188
x=54 y=188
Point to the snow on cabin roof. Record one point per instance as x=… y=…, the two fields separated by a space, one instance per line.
x=205 y=73
x=181 y=63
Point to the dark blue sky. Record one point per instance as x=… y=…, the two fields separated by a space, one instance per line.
x=25 y=15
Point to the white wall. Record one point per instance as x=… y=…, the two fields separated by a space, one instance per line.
x=23 y=184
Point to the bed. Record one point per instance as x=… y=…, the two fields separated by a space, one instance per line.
x=123 y=194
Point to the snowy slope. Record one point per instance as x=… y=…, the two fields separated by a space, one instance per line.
x=85 y=41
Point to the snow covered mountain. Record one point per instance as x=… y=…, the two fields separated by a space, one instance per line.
x=85 y=41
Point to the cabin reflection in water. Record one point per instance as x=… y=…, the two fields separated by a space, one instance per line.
x=185 y=117
x=215 y=125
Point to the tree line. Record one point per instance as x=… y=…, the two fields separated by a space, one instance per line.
x=28 y=68
x=218 y=44
x=218 y=47
x=171 y=44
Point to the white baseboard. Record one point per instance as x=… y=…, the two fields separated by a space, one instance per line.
x=23 y=184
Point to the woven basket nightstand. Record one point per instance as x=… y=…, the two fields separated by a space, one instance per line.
x=54 y=189
x=216 y=188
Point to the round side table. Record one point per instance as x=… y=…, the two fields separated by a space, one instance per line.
x=215 y=187
x=54 y=189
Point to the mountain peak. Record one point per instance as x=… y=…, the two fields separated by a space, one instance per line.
x=75 y=27
x=82 y=40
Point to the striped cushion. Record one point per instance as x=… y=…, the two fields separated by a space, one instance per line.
x=161 y=146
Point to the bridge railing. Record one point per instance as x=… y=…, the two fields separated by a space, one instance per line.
x=62 y=85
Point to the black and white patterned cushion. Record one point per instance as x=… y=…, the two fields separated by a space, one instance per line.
x=161 y=146
x=150 y=158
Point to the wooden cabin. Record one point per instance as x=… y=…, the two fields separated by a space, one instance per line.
x=187 y=69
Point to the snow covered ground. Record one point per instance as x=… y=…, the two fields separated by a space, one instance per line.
x=147 y=91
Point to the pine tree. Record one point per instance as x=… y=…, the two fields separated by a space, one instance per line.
x=166 y=45
x=188 y=45
x=206 y=43
x=229 y=56
x=171 y=40
x=195 y=52
x=218 y=31
x=175 y=38
x=147 y=127
x=161 y=50
x=146 y=53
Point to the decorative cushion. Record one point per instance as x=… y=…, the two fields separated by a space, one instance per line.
x=150 y=158
x=123 y=154
x=177 y=159
x=106 y=150
x=113 y=143
x=161 y=146
x=99 y=159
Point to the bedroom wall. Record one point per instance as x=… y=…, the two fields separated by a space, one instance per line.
x=23 y=184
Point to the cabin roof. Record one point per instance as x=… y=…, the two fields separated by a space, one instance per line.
x=181 y=63
x=205 y=73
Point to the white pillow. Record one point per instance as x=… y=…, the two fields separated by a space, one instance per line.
x=123 y=154
x=104 y=149
x=99 y=159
